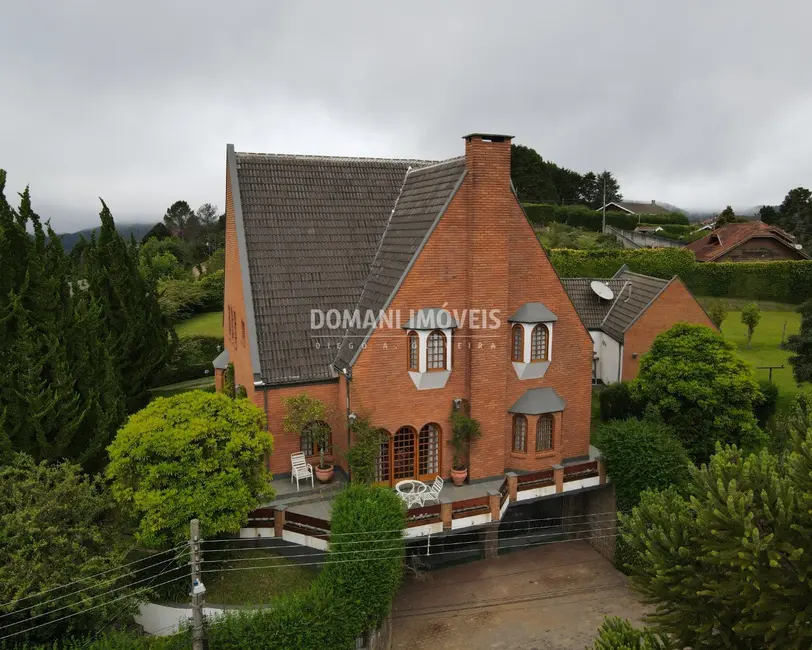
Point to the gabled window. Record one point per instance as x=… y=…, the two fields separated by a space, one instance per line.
x=517 y=344
x=544 y=432
x=435 y=351
x=413 y=352
x=538 y=343
x=519 y=433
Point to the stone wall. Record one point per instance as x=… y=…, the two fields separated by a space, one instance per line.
x=591 y=515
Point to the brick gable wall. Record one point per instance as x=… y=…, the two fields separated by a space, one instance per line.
x=674 y=305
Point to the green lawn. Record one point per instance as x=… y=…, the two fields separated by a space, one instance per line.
x=204 y=383
x=255 y=586
x=210 y=324
x=765 y=350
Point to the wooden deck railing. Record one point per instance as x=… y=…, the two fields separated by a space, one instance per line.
x=535 y=480
x=470 y=507
x=581 y=470
x=422 y=516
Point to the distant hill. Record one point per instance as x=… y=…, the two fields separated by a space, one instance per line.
x=125 y=229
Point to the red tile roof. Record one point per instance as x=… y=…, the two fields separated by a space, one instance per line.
x=724 y=239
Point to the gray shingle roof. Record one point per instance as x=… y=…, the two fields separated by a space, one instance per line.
x=425 y=194
x=312 y=225
x=590 y=308
x=222 y=360
x=633 y=294
x=642 y=207
x=537 y=401
x=533 y=312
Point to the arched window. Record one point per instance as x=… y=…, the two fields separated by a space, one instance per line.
x=310 y=438
x=538 y=343
x=403 y=453
x=544 y=432
x=428 y=451
x=435 y=351
x=517 y=344
x=519 y=433
x=413 y=352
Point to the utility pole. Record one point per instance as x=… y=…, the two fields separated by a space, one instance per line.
x=603 y=230
x=198 y=632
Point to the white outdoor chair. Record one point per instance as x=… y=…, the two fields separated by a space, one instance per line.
x=433 y=493
x=300 y=468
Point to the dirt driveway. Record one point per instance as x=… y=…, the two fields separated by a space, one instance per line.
x=551 y=597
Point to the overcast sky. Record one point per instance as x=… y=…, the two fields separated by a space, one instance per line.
x=698 y=104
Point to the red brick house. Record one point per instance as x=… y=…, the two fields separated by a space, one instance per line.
x=484 y=318
x=624 y=321
x=753 y=241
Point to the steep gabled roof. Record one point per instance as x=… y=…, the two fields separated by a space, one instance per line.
x=634 y=293
x=635 y=296
x=426 y=193
x=725 y=239
x=312 y=226
x=589 y=306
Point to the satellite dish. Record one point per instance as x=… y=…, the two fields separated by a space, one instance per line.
x=602 y=290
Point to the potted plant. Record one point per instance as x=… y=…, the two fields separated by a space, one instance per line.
x=464 y=429
x=307 y=416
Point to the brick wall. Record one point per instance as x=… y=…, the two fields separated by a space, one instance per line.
x=482 y=255
x=234 y=304
x=672 y=306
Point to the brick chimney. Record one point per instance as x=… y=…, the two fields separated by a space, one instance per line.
x=491 y=211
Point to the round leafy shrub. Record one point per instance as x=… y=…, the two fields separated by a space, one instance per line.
x=195 y=455
x=695 y=381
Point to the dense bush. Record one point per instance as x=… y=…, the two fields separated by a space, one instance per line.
x=111 y=641
x=641 y=455
x=213 y=285
x=179 y=298
x=620 y=634
x=194 y=455
x=765 y=404
x=617 y=402
x=695 y=381
x=57 y=526
x=191 y=358
x=352 y=594
x=584 y=217
x=782 y=281
x=728 y=566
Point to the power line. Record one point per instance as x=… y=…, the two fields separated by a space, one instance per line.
x=100 y=573
x=394 y=548
x=400 y=530
x=79 y=591
x=63 y=618
x=59 y=609
x=367 y=559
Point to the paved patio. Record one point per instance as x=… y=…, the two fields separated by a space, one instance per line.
x=317 y=501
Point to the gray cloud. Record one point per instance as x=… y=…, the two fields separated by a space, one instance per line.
x=698 y=104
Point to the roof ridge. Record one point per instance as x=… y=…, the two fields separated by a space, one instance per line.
x=457 y=159
x=338 y=158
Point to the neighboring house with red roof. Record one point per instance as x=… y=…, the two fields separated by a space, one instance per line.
x=484 y=319
x=624 y=321
x=752 y=241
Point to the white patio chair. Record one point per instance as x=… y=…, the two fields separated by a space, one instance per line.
x=433 y=493
x=300 y=468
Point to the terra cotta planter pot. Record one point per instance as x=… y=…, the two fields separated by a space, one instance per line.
x=458 y=476
x=324 y=475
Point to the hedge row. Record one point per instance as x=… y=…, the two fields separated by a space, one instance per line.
x=584 y=217
x=191 y=359
x=782 y=281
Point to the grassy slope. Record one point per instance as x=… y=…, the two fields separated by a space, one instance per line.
x=210 y=324
x=256 y=586
x=765 y=350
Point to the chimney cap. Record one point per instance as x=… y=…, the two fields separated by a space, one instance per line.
x=493 y=137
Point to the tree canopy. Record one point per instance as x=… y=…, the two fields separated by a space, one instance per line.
x=728 y=566
x=530 y=176
x=800 y=345
x=195 y=455
x=57 y=527
x=793 y=215
x=694 y=380
x=60 y=395
x=725 y=217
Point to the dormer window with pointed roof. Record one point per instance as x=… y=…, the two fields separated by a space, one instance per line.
x=531 y=340
x=428 y=347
